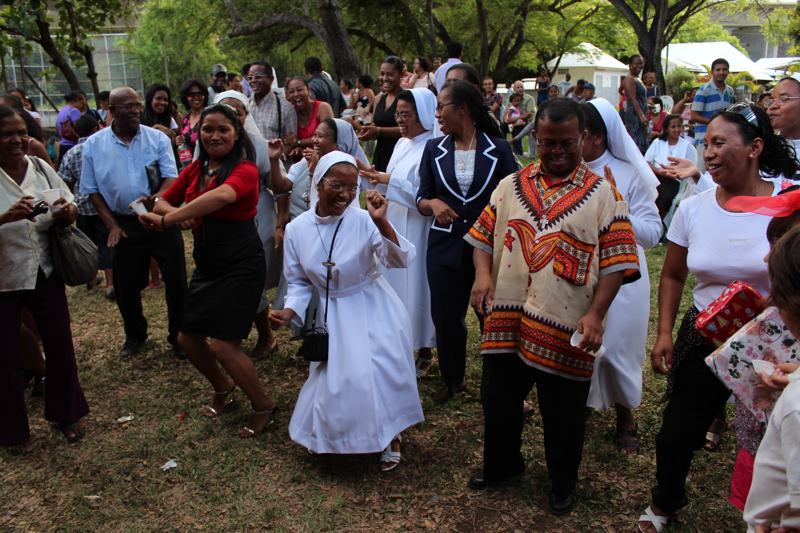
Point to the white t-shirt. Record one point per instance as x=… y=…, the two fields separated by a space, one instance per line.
x=658 y=152
x=723 y=246
x=774 y=497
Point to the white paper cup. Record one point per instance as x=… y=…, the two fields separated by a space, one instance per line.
x=575 y=340
x=51 y=196
x=765 y=368
x=138 y=206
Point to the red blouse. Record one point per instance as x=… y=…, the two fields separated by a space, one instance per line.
x=243 y=180
x=307 y=131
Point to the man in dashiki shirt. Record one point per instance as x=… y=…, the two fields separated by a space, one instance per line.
x=552 y=249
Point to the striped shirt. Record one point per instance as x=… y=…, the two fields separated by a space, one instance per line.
x=70 y=172
x=708 y=101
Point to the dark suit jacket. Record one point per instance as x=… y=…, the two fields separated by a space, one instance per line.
x=493 y=162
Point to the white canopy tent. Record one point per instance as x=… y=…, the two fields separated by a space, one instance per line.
x=590 y=63
x=694 y=55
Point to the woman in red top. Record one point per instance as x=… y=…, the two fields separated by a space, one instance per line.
x=219 y=193
x=309 y=112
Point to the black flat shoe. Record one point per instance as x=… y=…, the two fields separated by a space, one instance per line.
x=562 y=506
x=478 y=482
x=131 y=347
x=445 y=393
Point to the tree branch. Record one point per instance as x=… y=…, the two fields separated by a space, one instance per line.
x=371 y=40
x=278 y=19
x=630 y=15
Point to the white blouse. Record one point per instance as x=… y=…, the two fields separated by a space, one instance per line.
x=24 y=247
x=465 y=169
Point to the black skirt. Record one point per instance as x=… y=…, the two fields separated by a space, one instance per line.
x=227 y=282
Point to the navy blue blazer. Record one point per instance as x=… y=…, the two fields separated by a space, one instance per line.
x=494 y=160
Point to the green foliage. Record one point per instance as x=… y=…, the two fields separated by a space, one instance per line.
x=70 y=23
x=552 y=34
x=793 y=30
x=174 y=40
x=678 y=80
x=701 y=29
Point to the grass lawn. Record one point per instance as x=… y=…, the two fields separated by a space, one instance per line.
x=112 y=482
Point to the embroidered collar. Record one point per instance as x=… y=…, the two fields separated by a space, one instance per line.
x=577 y=177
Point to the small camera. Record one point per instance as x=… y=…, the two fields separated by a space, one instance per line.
x=39 y=208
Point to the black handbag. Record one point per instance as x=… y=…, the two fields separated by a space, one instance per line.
x=75 y=257
x=315 y=339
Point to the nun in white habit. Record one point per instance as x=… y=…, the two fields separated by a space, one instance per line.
x=303 y=194
x=366 y=393
x=617 y=377
x=339 y=135
x=416 y=110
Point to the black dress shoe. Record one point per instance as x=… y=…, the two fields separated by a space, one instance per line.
x=562 y=506
x=131 y=347
x=479 y=481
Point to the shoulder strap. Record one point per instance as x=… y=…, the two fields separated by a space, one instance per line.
x=280 y=118
x=41 y=170
x=328 y=277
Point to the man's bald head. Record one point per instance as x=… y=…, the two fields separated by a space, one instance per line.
x=121 y=94
x=126 y=109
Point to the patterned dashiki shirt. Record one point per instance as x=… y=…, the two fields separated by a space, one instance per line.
x=550 y=243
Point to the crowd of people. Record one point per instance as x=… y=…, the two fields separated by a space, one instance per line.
x=376 y=259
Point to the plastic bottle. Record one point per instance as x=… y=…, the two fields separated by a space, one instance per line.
x=185 y=155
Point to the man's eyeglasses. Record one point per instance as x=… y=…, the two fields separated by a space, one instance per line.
x=745 y=111
x=780 y=100
x=439 y=107
x=339 y=187
x=256 y=77
x=131 y=106
x=549 y=144
x=403 y=115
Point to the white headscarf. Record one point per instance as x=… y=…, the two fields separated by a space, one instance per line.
x=327 y=161
x=347 y=141
x=622 y=146
x=425 y=102
x=249 y=124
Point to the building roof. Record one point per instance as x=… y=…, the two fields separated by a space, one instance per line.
x=777 y=63
x=587 y=55
x=699 y=54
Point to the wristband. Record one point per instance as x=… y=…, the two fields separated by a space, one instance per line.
x=163 y=224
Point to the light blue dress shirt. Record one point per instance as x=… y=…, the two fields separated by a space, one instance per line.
x=116 y=170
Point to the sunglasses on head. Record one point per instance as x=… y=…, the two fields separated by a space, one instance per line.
x=743 y=109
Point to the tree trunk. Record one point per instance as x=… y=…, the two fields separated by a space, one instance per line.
x=483 y=32
x=56 y=58
x=330 y=31
x=85 y=50
x=340 y=48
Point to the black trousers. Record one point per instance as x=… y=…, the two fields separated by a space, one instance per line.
x=96 y=230
x=450 y=291
x=131 y=264
x=64 y=401
x=697 y=397
x=507 y=381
